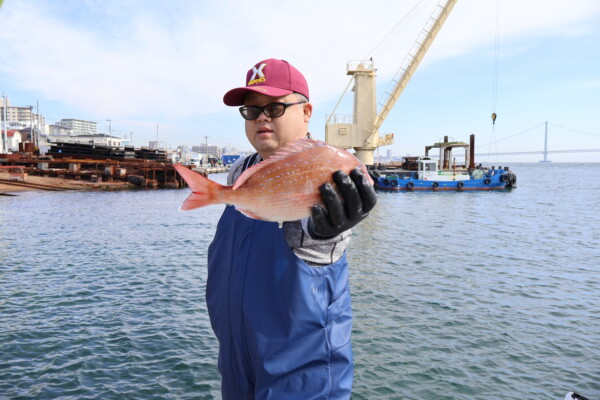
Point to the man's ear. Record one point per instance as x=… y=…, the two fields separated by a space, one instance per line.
x=307 y=111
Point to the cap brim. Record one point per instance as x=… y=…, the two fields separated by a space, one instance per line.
x=236 y=97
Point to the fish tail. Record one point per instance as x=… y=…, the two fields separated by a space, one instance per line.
x=196 y=200
x=204 y=191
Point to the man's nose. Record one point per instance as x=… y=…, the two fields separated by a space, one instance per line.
x=263 y=116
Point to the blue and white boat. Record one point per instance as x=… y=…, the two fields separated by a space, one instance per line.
x=422 y=173
x=428 y=177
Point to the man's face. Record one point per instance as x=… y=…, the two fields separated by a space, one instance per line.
x=268 y=135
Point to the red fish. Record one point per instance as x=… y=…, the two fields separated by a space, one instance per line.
x=281 y=188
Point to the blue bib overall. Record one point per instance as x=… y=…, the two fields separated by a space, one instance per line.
x=283 y=326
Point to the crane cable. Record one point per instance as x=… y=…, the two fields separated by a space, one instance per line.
x=383 y=45
x=495 y=78
x=496 y=51
x=387 y=40
x=339 y=101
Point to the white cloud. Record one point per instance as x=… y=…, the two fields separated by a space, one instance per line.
x=136 y=59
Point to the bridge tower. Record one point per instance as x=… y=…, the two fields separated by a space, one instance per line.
x=545 y=160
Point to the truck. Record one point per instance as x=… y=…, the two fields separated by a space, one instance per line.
x=194 y=161
x=229 y=159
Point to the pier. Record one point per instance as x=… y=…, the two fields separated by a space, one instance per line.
x=79 y=166
x=71 y=166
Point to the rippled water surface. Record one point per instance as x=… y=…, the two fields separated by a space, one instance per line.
x=456 y=295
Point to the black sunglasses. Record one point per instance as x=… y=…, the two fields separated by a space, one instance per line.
x=273 y=110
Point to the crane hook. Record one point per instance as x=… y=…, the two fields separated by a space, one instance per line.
x=493 y=118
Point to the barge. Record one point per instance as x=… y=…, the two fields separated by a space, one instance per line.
x=88 y=166
x=424 y=173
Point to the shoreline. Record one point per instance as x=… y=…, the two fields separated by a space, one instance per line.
x=58 y=184
x=6 y=188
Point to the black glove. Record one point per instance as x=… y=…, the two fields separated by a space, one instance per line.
x=358 y=199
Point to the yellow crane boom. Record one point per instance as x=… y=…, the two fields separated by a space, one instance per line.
x=361 y=132
x=413 y=59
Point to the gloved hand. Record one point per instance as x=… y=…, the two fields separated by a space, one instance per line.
x=340 y=215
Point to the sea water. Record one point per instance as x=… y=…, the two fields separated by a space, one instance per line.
x=482 y=295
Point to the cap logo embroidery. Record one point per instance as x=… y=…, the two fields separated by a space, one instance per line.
x=257 y=75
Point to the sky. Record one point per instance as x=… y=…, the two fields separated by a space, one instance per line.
x=160 y=69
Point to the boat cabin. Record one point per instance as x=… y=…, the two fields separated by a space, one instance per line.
x=427 y=170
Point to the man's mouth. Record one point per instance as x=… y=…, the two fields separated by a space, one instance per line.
x=264 y=131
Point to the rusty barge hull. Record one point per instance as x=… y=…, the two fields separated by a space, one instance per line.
x=104 y=166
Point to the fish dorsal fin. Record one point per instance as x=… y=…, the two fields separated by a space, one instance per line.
x=294 y=147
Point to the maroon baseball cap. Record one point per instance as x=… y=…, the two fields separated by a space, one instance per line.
x=271 y=77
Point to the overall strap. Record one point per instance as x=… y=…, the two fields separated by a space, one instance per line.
x=248 y=162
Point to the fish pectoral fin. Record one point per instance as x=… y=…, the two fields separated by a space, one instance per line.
x=249 y=214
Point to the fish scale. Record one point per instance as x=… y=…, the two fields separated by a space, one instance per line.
x=281 y=188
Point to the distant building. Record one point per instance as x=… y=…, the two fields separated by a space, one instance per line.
x=19 y=117
x=97 y=139
x=213 y=151
x=57 y=130
x=172 y=155
x=13 y=140
x=26 y=134
x=230 y=150
x=79 y=127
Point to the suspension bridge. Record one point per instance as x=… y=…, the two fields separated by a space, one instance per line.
x=545 y=152
x=517 y=153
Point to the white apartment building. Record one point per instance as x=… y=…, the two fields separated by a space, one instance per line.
x=79 y=126
x=19 y=117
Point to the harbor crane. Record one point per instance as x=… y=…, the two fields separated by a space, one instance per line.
x=361 y=131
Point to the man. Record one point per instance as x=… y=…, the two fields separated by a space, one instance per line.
x=279 y=299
